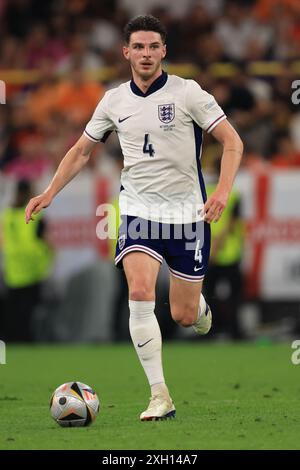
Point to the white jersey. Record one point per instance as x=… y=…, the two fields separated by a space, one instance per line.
x=160 y=134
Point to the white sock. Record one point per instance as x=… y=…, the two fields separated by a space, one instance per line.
x=146 y=337
x=202 y=307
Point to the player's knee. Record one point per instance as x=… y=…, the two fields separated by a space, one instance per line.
x=184 y=315
x=141 y=291
x=186 y=321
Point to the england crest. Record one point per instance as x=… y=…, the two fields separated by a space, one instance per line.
x=121 y=241
x=166 y=112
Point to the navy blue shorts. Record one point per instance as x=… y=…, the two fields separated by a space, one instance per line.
x=184 y=247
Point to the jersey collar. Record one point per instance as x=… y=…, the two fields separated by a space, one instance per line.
x=155 y=86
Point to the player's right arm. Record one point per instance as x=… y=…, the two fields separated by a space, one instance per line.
x=97 y=130
x=69 y=167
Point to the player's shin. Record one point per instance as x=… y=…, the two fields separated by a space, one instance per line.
x=146 y=337
x=204 y=320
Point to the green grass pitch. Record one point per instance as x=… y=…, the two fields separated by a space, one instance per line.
x=227 y=396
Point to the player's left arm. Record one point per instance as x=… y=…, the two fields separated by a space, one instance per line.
x=231 y=158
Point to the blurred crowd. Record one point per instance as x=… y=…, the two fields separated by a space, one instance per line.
x=57 y=57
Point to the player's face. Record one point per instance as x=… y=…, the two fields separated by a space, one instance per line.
x=145 y=52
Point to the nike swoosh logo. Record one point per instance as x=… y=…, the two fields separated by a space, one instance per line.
x=141 y=345
x=124 y=119
x=197 y=269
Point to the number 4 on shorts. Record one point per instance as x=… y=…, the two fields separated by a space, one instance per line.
x=198 y=254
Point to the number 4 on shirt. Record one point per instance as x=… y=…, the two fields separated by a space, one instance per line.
x=148 y=148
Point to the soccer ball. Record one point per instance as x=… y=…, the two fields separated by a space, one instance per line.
x=74 y=404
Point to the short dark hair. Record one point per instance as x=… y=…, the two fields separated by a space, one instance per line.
x=144 y=23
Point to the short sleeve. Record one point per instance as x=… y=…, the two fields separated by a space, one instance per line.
x=100 y=125
x=202 y=107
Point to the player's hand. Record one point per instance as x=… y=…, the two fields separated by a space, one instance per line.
x=36 y=204
x=215 y=204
